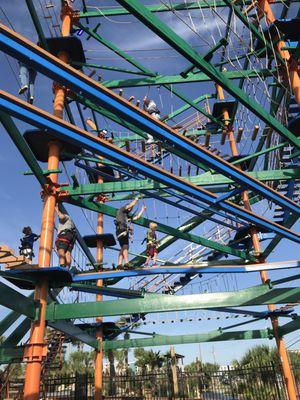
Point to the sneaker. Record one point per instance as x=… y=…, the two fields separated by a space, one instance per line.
x=128 y=266
x=23 y=89
x=30 y=100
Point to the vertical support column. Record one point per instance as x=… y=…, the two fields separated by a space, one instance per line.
x=98 y=376
x=286 y=367
x=36 y=350
x=264 y=9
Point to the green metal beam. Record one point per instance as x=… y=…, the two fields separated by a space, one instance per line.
x=164 y=340
x=111 y=211
x=179 y=44
x=16 y=301
x=115 y=49
x=188 y=106
x=199 y=180
x=105 y=67
x=178 y=79
x=10 y=355
x=196 y=5
x=157 y=303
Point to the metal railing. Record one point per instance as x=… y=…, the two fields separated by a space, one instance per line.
x=247 y=383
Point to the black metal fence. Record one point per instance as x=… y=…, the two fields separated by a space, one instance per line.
x=259 y=383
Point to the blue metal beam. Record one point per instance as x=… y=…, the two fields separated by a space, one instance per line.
x=203 y=268
x=70 y=133
x=24 y=50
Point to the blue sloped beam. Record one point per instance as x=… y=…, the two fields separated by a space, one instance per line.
x=24 y=50
x=70 y=133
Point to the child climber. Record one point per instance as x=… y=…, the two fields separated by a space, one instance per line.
x=152 y=244
x=27 y=241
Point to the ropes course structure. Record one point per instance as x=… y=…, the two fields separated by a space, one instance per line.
x=195 y=117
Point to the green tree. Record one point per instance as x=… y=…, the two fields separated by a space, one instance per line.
x=148 y=360
x=80 y=361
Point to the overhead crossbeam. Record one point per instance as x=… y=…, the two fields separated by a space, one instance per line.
x=70 y=133
x=157 y=303
x=167 y=340
x=201 y=268
x=26 y=51
x=199 y=180
x=178 y=79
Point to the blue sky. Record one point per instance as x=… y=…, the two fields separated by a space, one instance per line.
x=20 y=195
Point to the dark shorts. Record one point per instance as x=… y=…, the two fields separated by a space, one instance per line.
x=123 y=239
x=65 y=241
x=151 y=251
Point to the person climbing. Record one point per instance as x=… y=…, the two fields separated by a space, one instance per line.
x=27 y=78
x=27 y=241
x=151 y=108
x=66 y=237
x=151 y=241
x=124 y=230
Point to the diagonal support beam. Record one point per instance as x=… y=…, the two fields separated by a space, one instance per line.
x=16 y=301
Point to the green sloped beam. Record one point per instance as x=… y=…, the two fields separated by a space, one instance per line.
x=10 y=355
x=196 y=5
x=178 y=79
x=164 y=340
x=179 y=44
x=17 y=335
x=112 y=212
x=199 y=180
x=16 y=301
x=157 y=303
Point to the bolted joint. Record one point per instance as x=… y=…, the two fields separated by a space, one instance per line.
x=34 y=352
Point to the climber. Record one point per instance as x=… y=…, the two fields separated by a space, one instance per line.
x=124 y=230
x=242 y=241
x=66 y=237
x=151 y=241
x=27 y=241
x=27 y=79
x=151 y=108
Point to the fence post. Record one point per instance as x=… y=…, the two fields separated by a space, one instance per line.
x=276 y=380
x=230 y=380
x=174 y=373
x=80 y=386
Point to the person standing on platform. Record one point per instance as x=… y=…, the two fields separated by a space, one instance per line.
x=124 y=230
x=66 y=237
x=27 y=241
x=152 y=244
x=27 y=78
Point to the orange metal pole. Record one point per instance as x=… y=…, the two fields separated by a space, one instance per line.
x=264 y=8
x=36 y=350
x=98 y=379
x=286 y=367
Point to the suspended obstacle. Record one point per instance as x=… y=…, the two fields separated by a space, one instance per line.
x=216 y=163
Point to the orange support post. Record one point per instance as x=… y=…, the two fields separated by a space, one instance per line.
x=98 y=376
x=286 y=367
x=293 y=78
x=36 y=350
